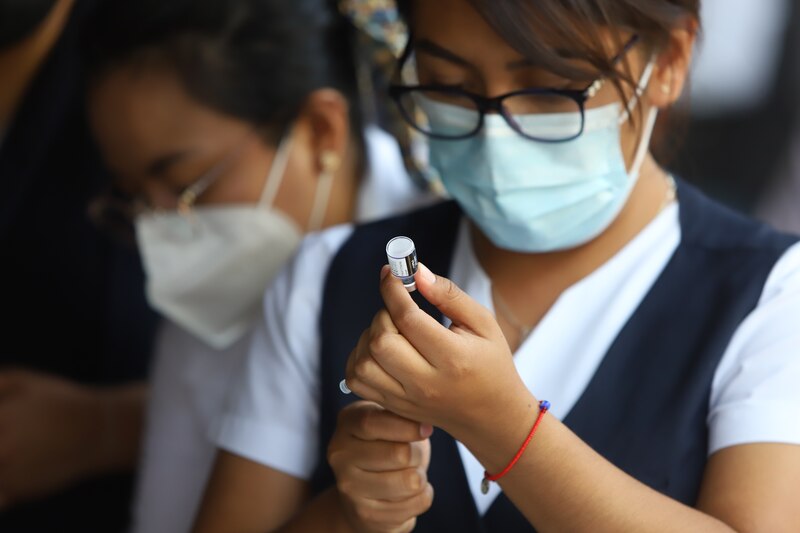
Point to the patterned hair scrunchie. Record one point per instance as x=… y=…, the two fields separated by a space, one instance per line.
x=382 y=38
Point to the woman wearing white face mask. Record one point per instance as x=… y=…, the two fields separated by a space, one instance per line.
x=235 y=126
x=615 y=351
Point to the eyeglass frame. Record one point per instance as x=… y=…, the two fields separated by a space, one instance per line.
x=485 y=105
x=188 y=197
x=129 y=209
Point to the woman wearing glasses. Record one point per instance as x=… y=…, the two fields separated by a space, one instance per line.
x=235 y=127
x=598 y=345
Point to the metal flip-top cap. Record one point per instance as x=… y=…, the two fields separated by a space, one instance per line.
x=402 y=256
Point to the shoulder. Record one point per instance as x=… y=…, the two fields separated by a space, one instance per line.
x=754 y=395
x=312 y=259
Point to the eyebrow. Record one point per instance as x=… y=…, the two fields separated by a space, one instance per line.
x=429 y=47
x=435 y=50
x=163 y=163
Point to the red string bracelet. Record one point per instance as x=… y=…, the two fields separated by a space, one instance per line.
x=544 y=406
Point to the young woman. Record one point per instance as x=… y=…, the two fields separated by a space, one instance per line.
x=660 y=327
x=235 y=126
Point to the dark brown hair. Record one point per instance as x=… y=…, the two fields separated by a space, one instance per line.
x=256 y=60
x=550 y=32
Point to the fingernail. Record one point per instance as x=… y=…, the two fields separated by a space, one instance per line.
x=425 y=430
x=426 y=274
x=385 y=271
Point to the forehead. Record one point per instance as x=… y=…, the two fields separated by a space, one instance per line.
x=457 y=25
x=138 y=114
x=541 y=34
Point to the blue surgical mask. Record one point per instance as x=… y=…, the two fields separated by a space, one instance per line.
x=535 y=197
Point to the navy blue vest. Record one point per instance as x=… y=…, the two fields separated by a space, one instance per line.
x=644 y=409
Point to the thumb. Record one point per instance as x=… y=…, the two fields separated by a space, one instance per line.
x=454 y=303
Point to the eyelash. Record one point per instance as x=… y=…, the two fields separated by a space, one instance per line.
x=459 y=86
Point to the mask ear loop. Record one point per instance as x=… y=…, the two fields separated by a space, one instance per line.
x=277 y=170
x=644 y=144
x=650 y=121
x=644 y=82
x=330 y=162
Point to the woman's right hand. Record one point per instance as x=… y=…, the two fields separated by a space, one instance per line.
x=380 y=461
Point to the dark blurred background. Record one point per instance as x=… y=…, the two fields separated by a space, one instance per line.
x=737 y=134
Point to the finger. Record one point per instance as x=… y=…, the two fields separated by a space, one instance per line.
x=378 y=456
x=365 y=392
x=395 y=515
x=395 y=486
x=395 y=355
x=423 y=331
x=370 y=422
x=454 y=303
x=382 y=322
x=363 y=374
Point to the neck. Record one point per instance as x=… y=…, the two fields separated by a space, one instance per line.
x=20 y=62
x=344 y=195
x=531 y=283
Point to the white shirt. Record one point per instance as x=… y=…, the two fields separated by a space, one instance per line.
x=274 y=413
x=190 y=379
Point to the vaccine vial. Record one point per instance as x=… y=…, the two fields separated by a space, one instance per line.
x=402 y=257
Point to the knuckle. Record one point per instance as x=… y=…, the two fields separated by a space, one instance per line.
x=365 y=514
x=407 y=319
x=460 y=368
x=379 y=343
x=366 y=422
x=381 y=320
x=427 y=498
x=360 y=368
x=345 y=486
x=430 y=393
x=335 y=455
x=415 y=480
x=401 y=454
x=451 y=291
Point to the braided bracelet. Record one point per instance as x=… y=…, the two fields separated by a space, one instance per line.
x=544 y=406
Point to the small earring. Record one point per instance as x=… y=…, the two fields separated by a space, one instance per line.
x=330 y=161
x=666 y=88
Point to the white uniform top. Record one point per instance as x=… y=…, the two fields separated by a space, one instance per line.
x=274 y=412
x=190 y=379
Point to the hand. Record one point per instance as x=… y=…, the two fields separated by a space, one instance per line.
x=50 y=432
x=380 y=461
x=460 y=379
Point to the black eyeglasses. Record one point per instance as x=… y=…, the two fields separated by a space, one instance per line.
x=422 y=107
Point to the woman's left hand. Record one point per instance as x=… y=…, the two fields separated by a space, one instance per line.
x=458 y=379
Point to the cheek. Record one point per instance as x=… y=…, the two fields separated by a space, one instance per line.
x=632 y=135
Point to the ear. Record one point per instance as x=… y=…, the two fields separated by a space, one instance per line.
x=673 y=65
x=326 y=114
